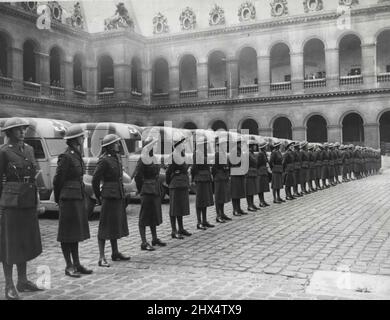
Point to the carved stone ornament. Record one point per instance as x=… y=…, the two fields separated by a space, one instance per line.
x=187 y=19
x=246 y=12
x=216 y=16
x=30 y=6
x=77 y=20
x=312 y=5
x=279 y=8
x=160 y=24
x=56 y=10
x=121 y=19
x=348 y=3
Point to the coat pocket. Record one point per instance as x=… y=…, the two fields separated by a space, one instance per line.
x=203 y=176
x=71 y=190
x=111 y=190
x=277 y=168
x=150 y=187
x=179 y=181
x=18 y=195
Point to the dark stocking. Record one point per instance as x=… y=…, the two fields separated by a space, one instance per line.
x=8 y=274
x=114 y=247
x=173 y=224
x=66 y=251
x=180 y=223
x=102 y=244
x=142 y=232
x=22 y=272
x=153 y=230
x=74 y=249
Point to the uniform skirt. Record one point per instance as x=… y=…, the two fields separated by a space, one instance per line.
x=263 y=183
x=113 y=220
x=251 y=185
x=20 y=238
x=303 y=177
x=179 y=203
x=289 y=179
x=313 y=173
x=150 y=213
x=72 y=221
x=277 y=182
x=331 y=171
x=297 y=176
x=238 y=187
x=222 y=191
x=204 y=194
x=324 y=172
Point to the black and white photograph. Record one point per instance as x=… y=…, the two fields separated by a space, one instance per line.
x=204 y=151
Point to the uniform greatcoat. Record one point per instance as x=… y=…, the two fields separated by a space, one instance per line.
x=288 y=168
x=201 y=175
x=275 y=163
x=221 y=173
x=251 y=184
x=262 y=171
x=178 y=183
x=20 y=239
x=113 y=219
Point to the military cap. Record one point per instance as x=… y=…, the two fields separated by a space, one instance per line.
x=74 y=131
x=337 y=144
x=292 y=143
x=310 y=146
x=263 y=144
x=303 y=144
x=14 y=123
x=110 y=139
x=276 y=144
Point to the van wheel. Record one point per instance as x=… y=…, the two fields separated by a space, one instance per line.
x=90 y=206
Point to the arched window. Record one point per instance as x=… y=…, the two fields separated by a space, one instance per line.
x=190 y=125
x=314 y=60
x=160 y=77
x=282 y=128
x=4 y=47
x=188 y=73
x=217 y=70
x=219 y=125
x=106 y=74
x=280 y=63
x=250 y=125
x=353 y=130
x=29 y=62
x=350 y=56
x=383 y=52
x=78 y=73
x=316 y=129
x=247 y=66
x=384 y=130
x=55 y=67
x=136 y=75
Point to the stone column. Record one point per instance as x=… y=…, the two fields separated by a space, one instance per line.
x=263 y=65
x=368 y=65
x=15 y=67
x=122 y=80
x=43 y=76
x=299 y=133
x=174 y=82
x=335 y=133
x=332 y=68
x=232 y=77
x=371 y=135
x=296 y=64
x=146 y=85
x=203 y=82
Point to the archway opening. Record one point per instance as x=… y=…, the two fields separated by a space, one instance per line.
x=350 y=56
x=250 y=125
x=353 y=130
x=78 y=73
x=160 y=76
x=219 y=125
x=383 y=52
x=55 y=67
x=29 y=62
x=247 y=66
x=316 y=129
x=190 y=126
x=280 y=63
x=3 y=56
x=384 y=132
x=136 y=75
x=314 y=60
x=106 y=70
x=217 y=70
x=188 y=73
x=282 y=128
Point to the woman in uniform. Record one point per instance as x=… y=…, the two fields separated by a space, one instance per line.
x=221 y=175
x=325 y=168
x=70 y=195
x=146 y=176
x=237 y=178
x=201 y=175
x=288 y=167
x=113 y=218
x=20 y=239
x=251 y=185
x=312 y=168
x=304 y=157
x=178 y=182
x=275 y=163
x=262 y=171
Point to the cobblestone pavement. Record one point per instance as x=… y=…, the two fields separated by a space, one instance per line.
x=271 y=254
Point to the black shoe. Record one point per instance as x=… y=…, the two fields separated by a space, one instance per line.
x=289 y=198
x=236 y=213
x=146 y=246
x=277 y=201
x=243 y=212
x=71 y=272
x=83 y=270
x=208 y=225
x=27 y=287
x=262 y=205
x=103 y=263
x=257 y=208
x=119 y=257
x=176 y=235
x=251 y=209
x=11 y=293
x=184 y=232
x=282 y=200
x=225 y=217
x=219 y=220
x=199 y=226
x=158 y=242
x=266 y=204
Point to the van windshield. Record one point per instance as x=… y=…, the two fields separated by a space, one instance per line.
x=133 y=145
x=56 y=146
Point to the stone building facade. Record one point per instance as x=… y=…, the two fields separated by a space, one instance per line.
x=312 y=70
